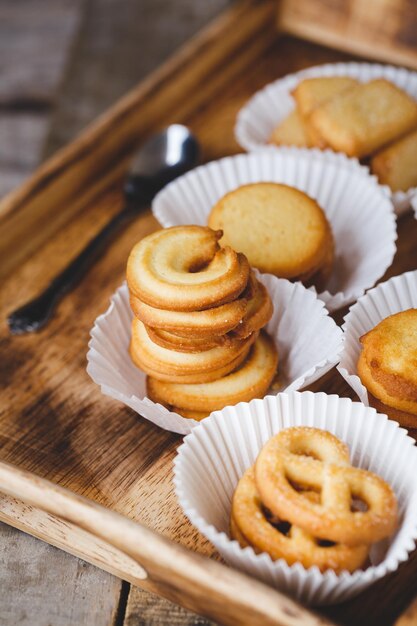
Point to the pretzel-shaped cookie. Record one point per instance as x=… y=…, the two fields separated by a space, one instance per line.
x=251 y=526
x=183 y=268
x=316 y=460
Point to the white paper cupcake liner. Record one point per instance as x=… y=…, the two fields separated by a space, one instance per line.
x=359 y=210
x=269 y=106
x=216 y=454
x=308 y=340
x=395 y=295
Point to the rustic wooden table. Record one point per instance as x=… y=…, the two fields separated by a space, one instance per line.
x=62 y=62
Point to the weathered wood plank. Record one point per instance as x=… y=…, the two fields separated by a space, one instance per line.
x=41 y=585
x=385 y=30
x=114 y=36
x=145 y=609
x=61 y=419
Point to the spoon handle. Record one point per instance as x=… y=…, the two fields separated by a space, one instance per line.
x=35 y=314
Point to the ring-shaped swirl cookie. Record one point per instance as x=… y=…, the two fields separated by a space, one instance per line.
x=171 y=341
x=215 y=321
x=191 y=377
x=259 y=310
x=183 y=268
x=249 y=381
x=155 y=358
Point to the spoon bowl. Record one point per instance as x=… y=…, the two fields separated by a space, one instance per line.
x=162 y=158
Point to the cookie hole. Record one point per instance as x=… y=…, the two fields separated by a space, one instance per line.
x=357 y=505
x=325 y=543
x=280 y=525
x=283 y=527
x=197 y=267
x=306 y=453
x=310 y=492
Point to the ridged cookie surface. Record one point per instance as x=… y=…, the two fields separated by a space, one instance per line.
x=183 y=268
x=251 y=380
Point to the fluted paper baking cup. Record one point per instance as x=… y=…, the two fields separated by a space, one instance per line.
x=395 y=295
x=269 y=106
x=216 y=454
x=308 y=340
x=359 y=210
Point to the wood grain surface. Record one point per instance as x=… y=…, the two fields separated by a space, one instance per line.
x=54 y=422
x=409 y=617
x=55 y=80
x=385 y=30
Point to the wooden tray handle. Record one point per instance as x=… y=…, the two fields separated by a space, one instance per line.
x=198 y=583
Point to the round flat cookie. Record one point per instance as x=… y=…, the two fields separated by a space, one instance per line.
x=387 y=365
x=281 y=230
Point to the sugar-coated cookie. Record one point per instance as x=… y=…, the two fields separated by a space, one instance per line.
x=387 y=366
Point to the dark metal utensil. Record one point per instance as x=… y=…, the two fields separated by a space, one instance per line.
x=161 y=159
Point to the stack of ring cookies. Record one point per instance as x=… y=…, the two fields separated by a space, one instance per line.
x=198 y=314
x=304 y=502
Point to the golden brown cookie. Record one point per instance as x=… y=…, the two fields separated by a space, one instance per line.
x=154 y=359
x=251 y=524
x=408 y=420
x=387 y=365
x=250 y=380
x=183 y=268
x=190 y=377
x=365 y=117
x=303 y=458
x=215 y=321
x=191 y=415
x=396 y=165
x=188 y=344
x=281 y=230
x=312 y=92
x=259 y=311
x=292 y=131
x=320 y=277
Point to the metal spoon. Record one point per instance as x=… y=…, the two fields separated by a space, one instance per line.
x=161 y=159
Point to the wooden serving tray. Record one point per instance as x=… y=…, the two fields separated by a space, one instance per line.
x=55 y=424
